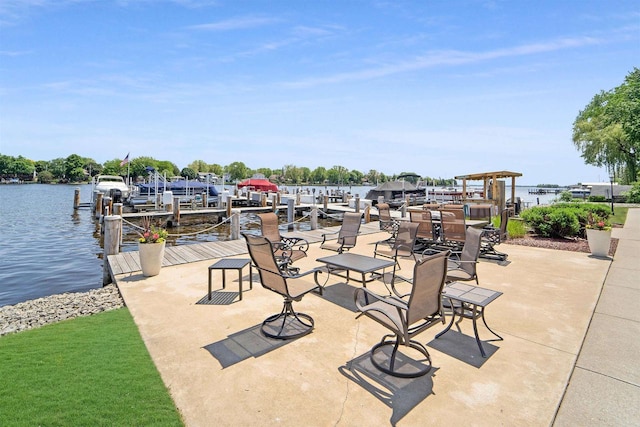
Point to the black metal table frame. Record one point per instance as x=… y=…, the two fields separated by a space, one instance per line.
x=335 y=263
x=476 y=311
x=231 y=264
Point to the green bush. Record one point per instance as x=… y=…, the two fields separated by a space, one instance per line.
x=633 y=195
x=565 y=196
x=563 y=219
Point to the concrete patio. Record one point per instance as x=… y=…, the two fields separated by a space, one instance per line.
x=220 y=370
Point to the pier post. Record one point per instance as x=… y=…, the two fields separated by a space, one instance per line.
x=112 y=232
x=325 y=203
x=367 y=214
x=229 y=204
x=314 y=218
x=274 y=203
x=98 y=206
x=176 y=210
x=235 y=224
x=357 y=203
x=108 y=206
x=291 y=213
x=403 y=210
x=205 y=202
x=76 y=198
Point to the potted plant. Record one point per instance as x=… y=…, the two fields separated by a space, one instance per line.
x=598 y=235
x=151 y=248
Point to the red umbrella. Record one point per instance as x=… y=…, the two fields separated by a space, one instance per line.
x=258 y=184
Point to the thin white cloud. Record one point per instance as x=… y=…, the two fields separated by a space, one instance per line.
x=444 y=58
x=235 y=24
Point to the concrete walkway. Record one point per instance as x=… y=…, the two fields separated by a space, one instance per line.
x=220 y=370
x=604 y=388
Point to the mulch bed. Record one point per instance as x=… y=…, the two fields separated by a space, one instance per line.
x=562 y=244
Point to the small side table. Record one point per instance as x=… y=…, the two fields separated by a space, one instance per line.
x=231 y=264
x=474 y=300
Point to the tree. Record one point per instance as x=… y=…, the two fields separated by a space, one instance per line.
x=319 y=175
x=188 y=173
x=607 y=131
x=199 y=166
x=237 y=171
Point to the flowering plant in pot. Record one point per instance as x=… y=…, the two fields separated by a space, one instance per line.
x=595 y=222
x=151 y=247
x=598 y=235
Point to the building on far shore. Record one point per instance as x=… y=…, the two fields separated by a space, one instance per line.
x=602 y=189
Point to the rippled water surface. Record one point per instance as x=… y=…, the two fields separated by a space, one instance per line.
x=46 y=247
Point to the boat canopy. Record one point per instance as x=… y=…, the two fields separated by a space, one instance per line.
x=258 y=184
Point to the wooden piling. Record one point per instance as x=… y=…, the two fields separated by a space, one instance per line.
x=357 y=204
x=325 y=202
x=235 y=224
x=367 y=214
x=113 y=230
x=314 y=218
x=274 y=203
x=76 y=198
x=176 y=210
x=291 y=211
x=98 y=206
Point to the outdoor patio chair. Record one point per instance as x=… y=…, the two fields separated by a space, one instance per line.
x=452 y=232
x=426 y=234
x=494 y=236
x=401 y=247
x=462 y=264
x=288 y=324
x=287 y=250
x=387 y=223
x=406 y=318
x=347 y=235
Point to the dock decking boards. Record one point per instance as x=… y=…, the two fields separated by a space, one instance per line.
x=129 y=262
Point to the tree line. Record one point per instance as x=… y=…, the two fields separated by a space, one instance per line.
x=75 y=168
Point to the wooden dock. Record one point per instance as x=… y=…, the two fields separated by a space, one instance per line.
x=129 y=262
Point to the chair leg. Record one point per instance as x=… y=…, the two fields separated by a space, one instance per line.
x=287 y=323
x=394 y=365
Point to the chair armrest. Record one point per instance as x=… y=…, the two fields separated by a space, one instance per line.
x=324 y=235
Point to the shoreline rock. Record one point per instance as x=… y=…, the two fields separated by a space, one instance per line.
x=55 y=308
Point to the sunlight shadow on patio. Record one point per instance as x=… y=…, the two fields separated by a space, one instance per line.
x=399 y=394
x=243 y=345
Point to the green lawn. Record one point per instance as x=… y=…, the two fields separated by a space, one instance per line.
x=88 y=371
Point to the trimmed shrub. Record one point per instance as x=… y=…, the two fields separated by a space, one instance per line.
x=563 y=219
x=596 y=199
x=633 y=195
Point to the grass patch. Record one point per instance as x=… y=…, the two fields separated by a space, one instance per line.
x=619 y=215
x=91 y=371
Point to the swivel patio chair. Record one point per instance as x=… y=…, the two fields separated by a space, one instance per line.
x=287 y=250
x=407 y=318
x=452 y=230
x=402 y=247
x=462 y=265
x=288 y=324
x=494 y=236
x=347 y=235
x=387 y=223
x=426 y=235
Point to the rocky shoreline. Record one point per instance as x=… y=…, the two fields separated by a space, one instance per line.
x=43 y=311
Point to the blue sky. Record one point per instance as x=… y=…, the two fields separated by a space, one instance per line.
x=440 y=88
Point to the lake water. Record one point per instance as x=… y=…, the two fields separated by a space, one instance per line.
x=47 y=247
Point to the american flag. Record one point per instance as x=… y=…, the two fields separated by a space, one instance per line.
x=125 y=160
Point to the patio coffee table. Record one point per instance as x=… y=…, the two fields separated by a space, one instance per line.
x=231 y=264
x=474 y=299
x=352 y=262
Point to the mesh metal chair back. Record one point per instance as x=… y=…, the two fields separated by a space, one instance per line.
x=349 y=230
x=425 y=224
x=264 y=259
x=428 y=281
x=269 y=226
x=471 y=250
x=453 y=229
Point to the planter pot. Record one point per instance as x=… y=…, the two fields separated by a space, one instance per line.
x=151 y=255
x=599 y=242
